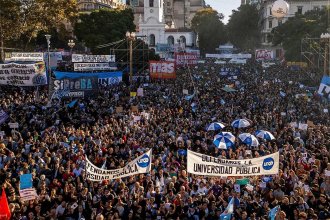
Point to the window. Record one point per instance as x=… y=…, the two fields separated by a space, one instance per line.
x=270 y=24
x=316 y=8
x=280 y=22
x=270 y=11
x=168 y=3
x=183 y=40
x=152 y=40
x=170 y=40
x=151 y=3
x=169 y=11
x=299 y=9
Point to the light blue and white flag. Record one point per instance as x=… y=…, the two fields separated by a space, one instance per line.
x=282 y=94
x=3 y=116
x=273 y=212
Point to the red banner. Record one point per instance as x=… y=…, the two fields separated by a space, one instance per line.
x=4 y=208
x=182 y=59
x=264 y=54
x=162 y=70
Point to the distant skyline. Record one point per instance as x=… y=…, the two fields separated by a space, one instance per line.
x=224 y=6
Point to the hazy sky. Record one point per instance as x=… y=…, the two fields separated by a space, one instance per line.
x=224 y=6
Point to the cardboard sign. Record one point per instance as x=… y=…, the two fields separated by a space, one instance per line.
x=325 y=110
x=13 y=125
x=132 y=94
x=135 y=108
x=237 y=188
x=119 y=109
x=185 y=92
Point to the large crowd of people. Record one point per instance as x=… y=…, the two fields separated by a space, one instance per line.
x=53 y=140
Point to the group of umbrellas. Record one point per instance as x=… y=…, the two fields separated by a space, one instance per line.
x=224 y=140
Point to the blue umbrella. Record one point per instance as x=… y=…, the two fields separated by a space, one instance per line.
x=266 y=135
x=240 y=123
x=224 y=140
x=215 y=126
x=249 y=139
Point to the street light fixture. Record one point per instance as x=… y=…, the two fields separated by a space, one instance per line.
x=325 y=37
x=48 y=36
x=130 y=37
x=71 y=44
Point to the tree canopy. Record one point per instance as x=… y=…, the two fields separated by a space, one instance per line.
x=22 y=21
x=104 y=26
x=210 y=29
x=242 y=28
x=311 y=24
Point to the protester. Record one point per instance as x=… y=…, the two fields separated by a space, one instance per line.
x=53 y=140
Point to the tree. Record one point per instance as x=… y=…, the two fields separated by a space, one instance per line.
x=210 y=29
x=312 y=24
x=9 y=22
x=22 y=20
x=104 y=26
x=243 y=30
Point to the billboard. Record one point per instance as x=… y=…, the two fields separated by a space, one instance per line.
x=93 y=66
x=182 y=59
x=162 y=70
x=262 y=54
x=84 y=58
x=18 y=56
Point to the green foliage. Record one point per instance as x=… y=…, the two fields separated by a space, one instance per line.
x=243 y=30
x=22 y=21
x=210 y=29
x=312 y=24
x=104 y=26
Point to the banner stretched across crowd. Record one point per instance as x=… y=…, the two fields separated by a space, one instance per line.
x=201 y=164
x=142 y=164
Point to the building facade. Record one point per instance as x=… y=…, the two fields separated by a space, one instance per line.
x=177 y=13
x=268 y=22
x=157 y=33
x=91 y=5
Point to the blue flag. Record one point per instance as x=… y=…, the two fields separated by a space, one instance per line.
x=189 y=97
x=225 y=216
x=71 y=104
x=273 y=212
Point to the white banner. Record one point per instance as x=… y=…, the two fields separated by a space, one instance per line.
x=23 y=74
x=229 y=56
x=28 y=194
x=204 y=165
x=93 y=66
x=142 y=164
x=82 y=58
x=16 y=56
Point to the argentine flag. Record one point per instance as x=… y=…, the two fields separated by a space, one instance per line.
x=273 y=212
x=226 y=215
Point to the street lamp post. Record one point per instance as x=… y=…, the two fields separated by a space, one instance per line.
x=325 y=37
x=130 y=37
x=71 y=44
x=48 y=55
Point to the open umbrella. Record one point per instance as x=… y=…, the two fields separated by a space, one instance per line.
x=266 y=135
x=249 y=139
x=215 y=126
x=224 y=140
x=240 y=123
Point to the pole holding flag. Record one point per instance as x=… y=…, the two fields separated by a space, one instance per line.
x=4 y=208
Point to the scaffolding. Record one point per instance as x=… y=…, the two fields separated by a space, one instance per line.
x=312 y=52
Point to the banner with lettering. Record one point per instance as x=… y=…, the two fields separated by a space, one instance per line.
x=18 y=56
x=324 y=89
x=142 y=164
x=162 y=70
x=182 y=59
x=229 y=56
x=84 y=58
x=93 y=66
x=262 y=54
x=23 y=74
x=104 y=78
x=204 y=165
